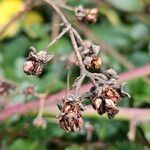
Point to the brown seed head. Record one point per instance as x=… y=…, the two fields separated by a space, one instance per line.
x=70 y=118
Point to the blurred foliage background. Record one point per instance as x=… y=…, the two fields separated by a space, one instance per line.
x=122 y=24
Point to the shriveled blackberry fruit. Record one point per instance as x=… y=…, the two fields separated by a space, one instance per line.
x=70 y=118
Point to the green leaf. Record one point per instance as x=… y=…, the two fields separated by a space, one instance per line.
x=146 y=128
x=139 y=31
x=139 y=58
x=35 y=31
x=116 y=36
x=74 y=147
x=26 y=145
x=61 y=47
x=14 y=49
x=127 y=5
x=139 y=92
x=127 y=145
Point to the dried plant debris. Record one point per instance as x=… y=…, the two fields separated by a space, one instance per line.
x=70 y=118
x=86 y=15
x=35 y=62
x=6 y=87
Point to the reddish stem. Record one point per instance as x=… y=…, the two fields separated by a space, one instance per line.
x=53 y=99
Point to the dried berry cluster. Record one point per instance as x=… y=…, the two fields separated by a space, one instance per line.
x=35 y=62
x=106 y=97
x=89 y=54
x=6 y=87
x=86 y=15
x=70 y=118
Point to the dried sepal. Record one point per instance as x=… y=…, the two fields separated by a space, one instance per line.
x=80 y=12
x=121 y=92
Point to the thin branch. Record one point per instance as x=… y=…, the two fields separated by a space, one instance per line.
x=58 y=37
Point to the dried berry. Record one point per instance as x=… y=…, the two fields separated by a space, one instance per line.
x=91 y=15
x=70 y=118
x=6 y=87
x=86 y=15
x=35 y=62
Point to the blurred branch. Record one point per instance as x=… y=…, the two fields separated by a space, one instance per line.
x=125 y=113
x=55 y=26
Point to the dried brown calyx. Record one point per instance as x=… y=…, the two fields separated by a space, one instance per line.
x=106 y=97
x=6 y=87
x=35 y=62
x=89 y=54
x=70 y=118
x=86 y=15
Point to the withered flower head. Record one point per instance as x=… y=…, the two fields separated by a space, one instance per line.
x=86 y=15
x=35 y=62
x=70 y=118
x=6 y=87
